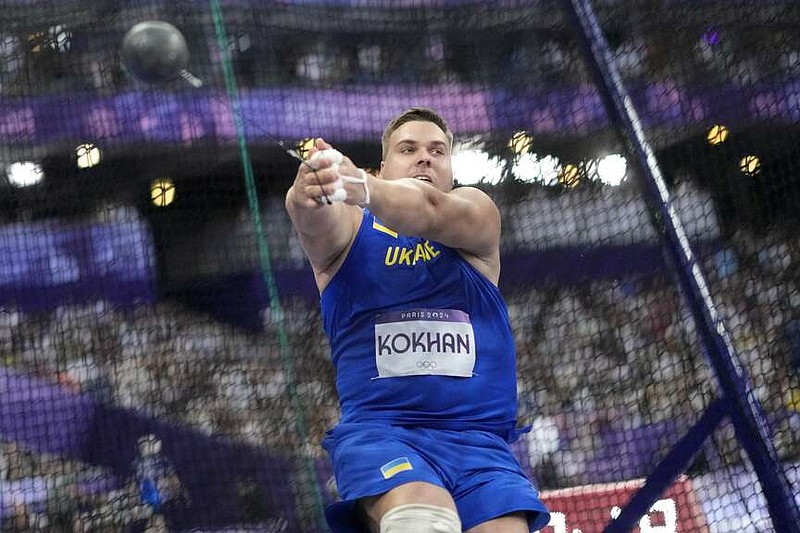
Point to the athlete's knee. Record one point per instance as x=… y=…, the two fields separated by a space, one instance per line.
x=420 y=518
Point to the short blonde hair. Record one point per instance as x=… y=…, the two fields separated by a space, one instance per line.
x=422 y=114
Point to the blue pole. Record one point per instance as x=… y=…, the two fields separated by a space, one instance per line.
x=745 y=410
x=669 y=468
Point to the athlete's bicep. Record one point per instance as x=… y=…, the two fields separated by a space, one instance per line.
x=468 y=220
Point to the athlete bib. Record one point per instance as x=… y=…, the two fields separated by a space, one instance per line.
x=416 y=342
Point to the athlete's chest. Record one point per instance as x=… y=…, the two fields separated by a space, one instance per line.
x=407 y=264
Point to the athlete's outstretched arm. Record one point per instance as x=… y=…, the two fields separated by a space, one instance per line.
x=422 y=204
x=464 y=218
x=325 y=230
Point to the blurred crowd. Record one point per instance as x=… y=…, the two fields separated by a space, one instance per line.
x=42 y=492
x=602 y=361
x=167 y=361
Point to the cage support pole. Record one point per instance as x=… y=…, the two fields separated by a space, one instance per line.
x=669 y=468
x=745 y=410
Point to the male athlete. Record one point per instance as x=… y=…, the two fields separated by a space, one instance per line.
x=407 y=268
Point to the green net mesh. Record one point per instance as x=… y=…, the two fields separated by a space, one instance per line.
x=163 y=366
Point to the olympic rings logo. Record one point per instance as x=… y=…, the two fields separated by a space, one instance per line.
x=426 y=365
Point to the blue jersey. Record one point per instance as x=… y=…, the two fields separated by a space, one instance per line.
x=418 y=336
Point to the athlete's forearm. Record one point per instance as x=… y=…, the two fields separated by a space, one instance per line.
x=408 y=206
x=464 y=218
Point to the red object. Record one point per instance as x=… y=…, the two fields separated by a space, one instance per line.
x=589 y=509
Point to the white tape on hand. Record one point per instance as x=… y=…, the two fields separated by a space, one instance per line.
x=335 y=157
x=340 y=194
x=331 y=154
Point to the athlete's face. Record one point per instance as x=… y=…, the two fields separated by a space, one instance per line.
x=419 y=150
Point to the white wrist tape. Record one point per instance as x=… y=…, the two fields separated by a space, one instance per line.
x=340 y=194
x=350 y=179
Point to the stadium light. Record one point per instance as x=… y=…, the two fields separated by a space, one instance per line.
x=472 y=165
x=34 y=39
x=612 y=169
x=304 y=146
x=531 y=168
x=24 y=173
x=520 y=142
x=750 y=165
x=59 y=38
x=162 y=192
x=87 y=155
x=569 y=176
x=717 y=134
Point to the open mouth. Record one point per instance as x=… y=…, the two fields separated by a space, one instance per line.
x=423 y=178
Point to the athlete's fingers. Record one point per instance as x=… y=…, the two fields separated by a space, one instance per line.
x=348 y=168
x=317 y=165
x=333 y=176
x=322 y=144
x=327 y=173
x=323 y=189
x=319 y=145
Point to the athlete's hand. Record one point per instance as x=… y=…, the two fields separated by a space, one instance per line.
x=328 y=176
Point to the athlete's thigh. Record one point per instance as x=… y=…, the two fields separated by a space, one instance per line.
x=374 y=507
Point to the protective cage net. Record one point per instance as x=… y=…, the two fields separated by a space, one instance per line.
x=163 y=363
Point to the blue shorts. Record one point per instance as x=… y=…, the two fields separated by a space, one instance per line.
x=476 y=467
